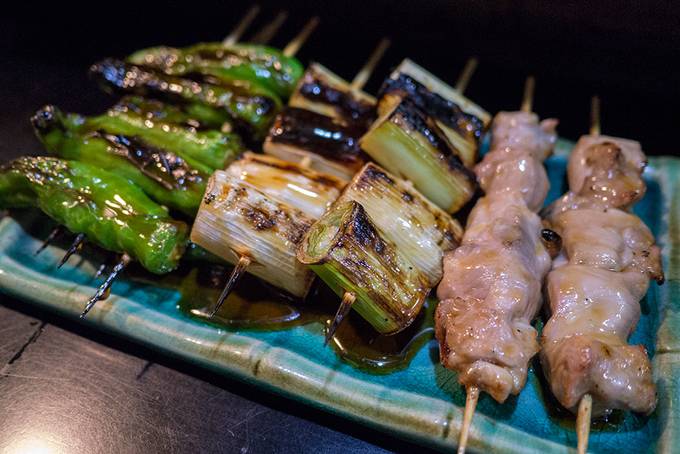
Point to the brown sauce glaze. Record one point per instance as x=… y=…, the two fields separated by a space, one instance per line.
x=257 y=306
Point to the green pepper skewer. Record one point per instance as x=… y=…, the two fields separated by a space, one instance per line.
x=251 y=106
x=111 y=212
x=164 y=176
x=213 y=149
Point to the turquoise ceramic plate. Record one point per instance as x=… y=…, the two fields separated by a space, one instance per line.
x=422 y=402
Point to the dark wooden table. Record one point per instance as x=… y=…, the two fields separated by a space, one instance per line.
x=68 y=388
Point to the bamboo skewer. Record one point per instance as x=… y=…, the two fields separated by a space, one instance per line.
x=234 y=277
x=294 y=46
x=104 y=289
x=466 y=74
x=473 y=391
x=268 y=31
x=365 y=73
x=470 y=406
x=51 y=237
x=240 y=28
x=585 y=406
x=75 y=247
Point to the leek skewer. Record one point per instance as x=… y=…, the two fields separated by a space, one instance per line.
x=290 y=152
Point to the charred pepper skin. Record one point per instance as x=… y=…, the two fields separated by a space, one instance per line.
x=250 y=62
x=196 y=116
x=213 y=149
x=165 y=177
x=111 y=212
x=251 y=107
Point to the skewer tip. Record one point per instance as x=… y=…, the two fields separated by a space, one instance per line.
x=345 y=306
x=105 y=288
x=268 y=31
x=528 y=96
x=75 y=247
x=234 y=278
x=365 y=73
x=294 y=46
x=585 y=408
x=465 y=76
x=242 y=25
x=53 y=234
x=470 y=406
x=595 y=116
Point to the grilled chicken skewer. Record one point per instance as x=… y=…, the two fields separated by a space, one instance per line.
x=597 y=282
x=491 y=288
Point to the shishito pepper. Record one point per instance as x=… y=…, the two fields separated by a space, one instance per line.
x=111 y=212
x=197 y=116
x=250 y=106
x=249 y=62
x=347 y=251
x=168 y=178
x=213 y=149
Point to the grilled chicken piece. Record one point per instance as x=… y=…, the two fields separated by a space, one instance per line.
x=604 y=172
x=596 y=284
x=491 y=289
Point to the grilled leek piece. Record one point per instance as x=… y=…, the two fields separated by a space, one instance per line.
x=306 y=190
x=422 y=231
x=346 y=250
x=236 y=221
x=324 y=143
x=409 y=143
x=260 y=208
x=326 y=93
x=460 y=119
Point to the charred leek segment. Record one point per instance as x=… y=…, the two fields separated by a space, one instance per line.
x=328 y=146
x=235 y=220
x=325 y=93
x=250 y=106
x=98 y=205
x=346 y=250
x=422 y=231
x=256 y=64
x=460 y=119
x=166 y=177
x=408 y=143
x=288 y=183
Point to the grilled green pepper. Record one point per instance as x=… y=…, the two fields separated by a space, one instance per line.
x=111 y=212
x=213 y=149
x=250 y=62
x=251 y=107
x=197 y=116
x=166 y=177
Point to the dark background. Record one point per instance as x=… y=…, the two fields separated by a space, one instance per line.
x=93 y=393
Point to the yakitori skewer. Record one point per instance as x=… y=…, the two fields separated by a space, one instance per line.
x=240 y=28
x=294 y=46
x=491 y=287
x=585 y=406
x=267 y=32
x=324 y=119
x=603 y=271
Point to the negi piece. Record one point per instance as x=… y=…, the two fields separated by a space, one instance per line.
x=409 y=143
x=462 y=121
x=348 y=252
x=260 y=209
x=324 y=120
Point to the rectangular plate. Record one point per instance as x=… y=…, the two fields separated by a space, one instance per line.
x=422 y=402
